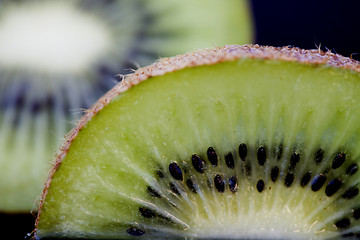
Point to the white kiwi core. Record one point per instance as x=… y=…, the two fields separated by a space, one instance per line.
x=262 y=216
x=52 y=37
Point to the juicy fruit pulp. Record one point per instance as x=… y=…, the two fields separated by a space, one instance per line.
x=246 y=148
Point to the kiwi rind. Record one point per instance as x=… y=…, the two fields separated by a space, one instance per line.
x=198 y=58
x=206 y=57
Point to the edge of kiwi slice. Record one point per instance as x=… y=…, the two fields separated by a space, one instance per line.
x=203 y=58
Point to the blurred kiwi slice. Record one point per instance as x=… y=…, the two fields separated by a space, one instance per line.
x=238 y=142
x=58 y=57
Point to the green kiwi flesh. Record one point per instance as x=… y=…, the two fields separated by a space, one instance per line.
x=48 y=77
x=233 y=142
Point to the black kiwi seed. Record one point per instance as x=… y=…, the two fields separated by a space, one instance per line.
x=175 y=171
x=274 y=173
x=134 y=231
x=350 y=193
x=37 y=107
x=261 y=156
x=318 y=182
x=174 y=189
x=145 y=212
x=242 y=151
x=332 y=187
x=343 y=223
x=191 y=185
x=319 y=155
x=229 y=160
x=305 y=179
x=212 y=156
x=198 y=163
x=260 y=185
x=153 y=192
x=219 y=183
x=352 y=169
x=295 y=158
x=233 y=184
x=339 y=159
x=356 y=213
x=289 y=179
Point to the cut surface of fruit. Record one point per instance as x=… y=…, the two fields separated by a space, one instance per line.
x=233 y=142
x=58 y=57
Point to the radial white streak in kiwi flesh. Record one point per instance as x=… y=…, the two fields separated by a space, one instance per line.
x=51 y=37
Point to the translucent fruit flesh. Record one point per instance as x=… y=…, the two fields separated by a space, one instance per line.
x=115 y=180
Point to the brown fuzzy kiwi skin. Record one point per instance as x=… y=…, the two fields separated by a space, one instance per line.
x=193 y=59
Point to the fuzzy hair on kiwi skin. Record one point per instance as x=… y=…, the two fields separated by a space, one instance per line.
x=193 y=59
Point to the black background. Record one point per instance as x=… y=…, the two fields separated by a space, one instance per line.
x=333 y=25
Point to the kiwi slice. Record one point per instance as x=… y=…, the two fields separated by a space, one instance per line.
x=58 y=57
x=232 y=142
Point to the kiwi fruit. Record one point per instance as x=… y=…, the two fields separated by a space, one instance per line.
x=234 y=142
x=58 y=58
